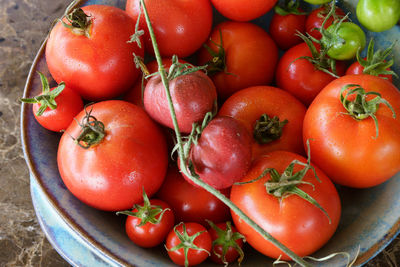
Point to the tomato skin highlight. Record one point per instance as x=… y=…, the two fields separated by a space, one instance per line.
x=86 y=65
x=295 y=222
x=111 y=175
x=243 y=10
x=346 y=149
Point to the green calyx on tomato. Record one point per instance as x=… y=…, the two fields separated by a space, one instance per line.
x=378 y=15
x=289 y=7
x=360 y=108
x=92 y=131
x=217 y=63
x=268 y=129
x=147 y=213
x=47 y=98
x=180 y=69
x=79 y=22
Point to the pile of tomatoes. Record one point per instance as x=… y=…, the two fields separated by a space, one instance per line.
x=272 y=133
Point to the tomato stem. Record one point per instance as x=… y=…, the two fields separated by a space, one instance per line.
x=92 y=133
x=79 y=22
x=268 y=129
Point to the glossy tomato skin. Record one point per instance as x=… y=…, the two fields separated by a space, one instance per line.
x=191 y=203
x=69 y=104
x=378 y=15
x=300 y=77
x=243 y=43
x=131 y=158
x=346 y=149
x=317 y=17
x=283 y=29
x=296 y=223
x=150 y=235
x=95 y=71
x=194 y=256
x=243 y=10
x=357 y=68
x=249 y=104
x=180 y=26
x=193 y=95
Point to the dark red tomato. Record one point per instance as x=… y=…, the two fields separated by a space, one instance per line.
x=250 y=104
x=243 y=10
x=194 y=256
x=295 y=222
x=150 y=234
x=357 y=68
x=112 y=173
x=249 y=57
x=317 y=16
x=193 y=95
x=191 y=203
x=222 y=154
x=180 y=26
x=80 y=59
x=349 y=149
x=300 y=77
x=283 y=29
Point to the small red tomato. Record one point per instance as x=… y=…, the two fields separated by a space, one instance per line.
x=188 y=244
x=243 y=10
x=317 y=16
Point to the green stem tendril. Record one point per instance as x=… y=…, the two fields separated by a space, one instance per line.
x=92 y=132
x=187 y=242
x=268 y=129
x=359 y=107
x=48 y=98
x=78 y=21
x=289 y=7
x=147 y=213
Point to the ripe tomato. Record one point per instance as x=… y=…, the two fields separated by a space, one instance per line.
x=378 y=15
x=80 y=59
x=222 y=154
x=357 y=68
x=249 y=105
x=181 y=240
x=300 y=77
x=180 y=26
x=242 y=43
x=317 y=16
x=295 y=222
x=347 y=149
x=112 y=174
x=243 y=10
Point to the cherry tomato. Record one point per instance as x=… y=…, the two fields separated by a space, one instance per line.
x=110 y=167
x=317 y=17
x=250 y=106
x=295 y=222
x=180 y=26
x=178 y=240
x=349 y=149
x=248 y=57
x=191 y=203
x=243 y=10
x=378 y=15
x=80 y=59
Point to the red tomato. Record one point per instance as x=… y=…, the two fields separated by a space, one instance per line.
x=112 y=174
x=356 y=68
x=317 y=16
x=194 y=256
x=85 y=64
x=295 y=222
x=193 y=95
x=180 y=26
x=191 y=203
x=243 y=10
x=248 y=105
x=222 y=154
x=243 y=43
x=347 y=149
x=300 y=77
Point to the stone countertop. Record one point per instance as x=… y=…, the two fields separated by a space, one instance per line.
x=24 y=24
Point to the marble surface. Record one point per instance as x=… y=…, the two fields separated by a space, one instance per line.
x=23 y=25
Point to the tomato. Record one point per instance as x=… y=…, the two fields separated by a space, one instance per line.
x=295 y=222
x=317 y=17
x=349 y=150
x=56 y=107
x=188 y=244
x=222 y=154
x=248 y=57
x=193 y=95
x=243 y=10
x=357 y=68
x=191 y=203
x=378 y=15
x=180 y=26
x=80 y=59
x=249 y=106
x=109 y=168
x=300 y=77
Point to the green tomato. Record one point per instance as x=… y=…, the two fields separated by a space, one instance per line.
x=317 y=2
x=344 y=41
x=378 y=15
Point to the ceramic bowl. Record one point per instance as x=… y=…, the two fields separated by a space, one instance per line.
x=86 y=237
